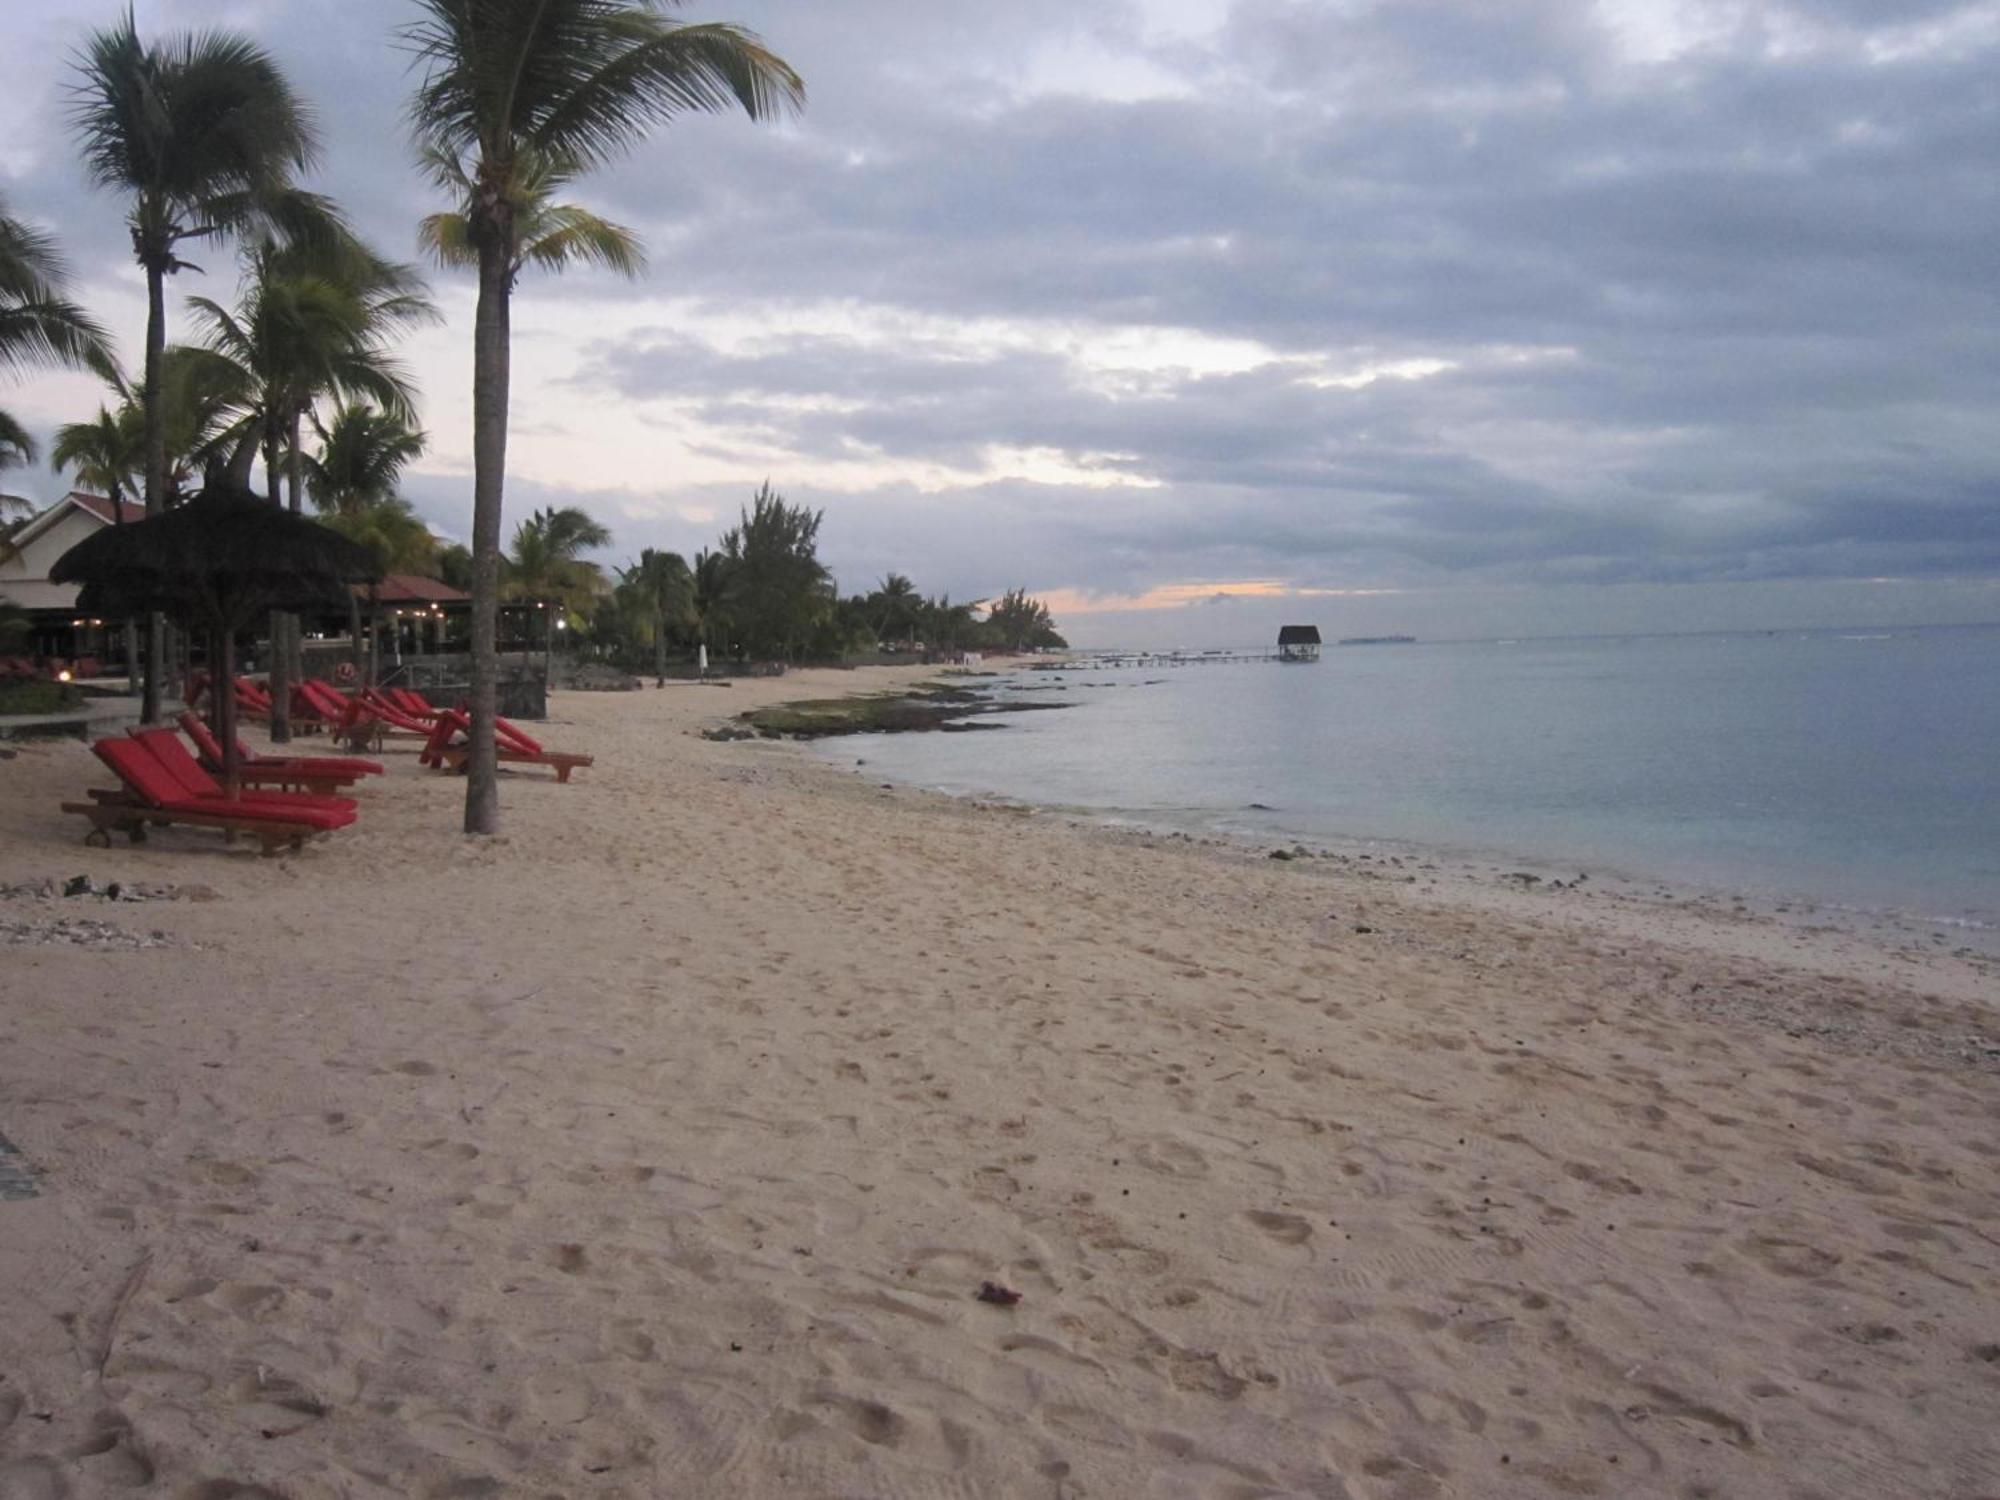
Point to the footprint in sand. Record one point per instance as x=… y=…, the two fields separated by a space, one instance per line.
x=31 y=1479
x=275 y=1405
x=110 y=1460
x=871 y=1421
x=1286 y=1229
x=1791 y=1257
x=1171 y=1158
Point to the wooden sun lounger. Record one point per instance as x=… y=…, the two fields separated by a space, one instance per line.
x=512 y=745
x=319 y=774
x=151 y=798
x=112 y=812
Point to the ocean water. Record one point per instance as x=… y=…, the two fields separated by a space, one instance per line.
x=1857 y=768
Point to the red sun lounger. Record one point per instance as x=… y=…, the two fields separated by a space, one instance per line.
x=305 y=773
x=165 y=747
x=149 y=796
x=448 y=747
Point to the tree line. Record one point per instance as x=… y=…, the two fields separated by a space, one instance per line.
x=760 y=593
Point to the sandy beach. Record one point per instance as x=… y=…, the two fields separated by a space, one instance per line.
x=662 y=1146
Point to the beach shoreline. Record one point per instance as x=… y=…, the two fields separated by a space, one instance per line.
x=669 y=1138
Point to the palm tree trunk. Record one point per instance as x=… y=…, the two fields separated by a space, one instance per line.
x=374 y=677
x=660 y=652
x=295 y=485
x=222 y=667
x=281 y=656
x=156 y=472
x=490 y=370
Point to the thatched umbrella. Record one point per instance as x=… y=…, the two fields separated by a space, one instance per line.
x=223 y=560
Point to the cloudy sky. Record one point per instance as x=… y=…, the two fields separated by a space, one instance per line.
x=1439 y=316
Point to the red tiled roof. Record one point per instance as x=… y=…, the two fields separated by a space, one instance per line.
x=100 y=507
x=414 y=588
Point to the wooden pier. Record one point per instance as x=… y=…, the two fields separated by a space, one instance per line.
x=1112 y=660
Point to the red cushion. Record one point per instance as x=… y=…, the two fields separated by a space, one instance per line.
x=312 y=765
x=205 y=742
x=517 y=737
x=166 y=748
x=142 y=774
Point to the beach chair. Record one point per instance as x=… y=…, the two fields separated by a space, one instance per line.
x=148 y=796
x=367 y=719
x=165 y=747
x=449 y=747
x=414 y=703
x=305 y=773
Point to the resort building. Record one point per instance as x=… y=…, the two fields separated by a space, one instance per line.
x=55 y=631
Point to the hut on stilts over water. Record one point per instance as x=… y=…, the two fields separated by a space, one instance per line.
x=1298 y=643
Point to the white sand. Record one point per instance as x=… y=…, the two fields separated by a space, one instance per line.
x=659 y=1147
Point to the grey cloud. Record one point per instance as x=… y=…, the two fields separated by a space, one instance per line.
x=1764 y=286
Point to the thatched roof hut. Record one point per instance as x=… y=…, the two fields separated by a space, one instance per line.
x=1298 y=643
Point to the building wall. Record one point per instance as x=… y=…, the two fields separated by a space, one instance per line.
x=24 y=577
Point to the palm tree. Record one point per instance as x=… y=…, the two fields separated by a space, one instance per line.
x=362 y=455
x=714 y=592
x=203 y=135
x=547 y=234
x=545 y=569
x=514 y=91
x=660 y=583
x=353 y=480
x=201 y=394
x=38 y=325
x=106 y=455
x=895 y=609
x=313 y=321
x=310 y=325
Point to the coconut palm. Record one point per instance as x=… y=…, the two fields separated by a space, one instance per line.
x=201 y=396
x=104 y=454
x=38 y=324
x=202 y=134
x=895 y=609
x=313 y=321
x=513 y=91
x=714 y=593
x=548 y=234
x=662 y=588
x=393 y=531
x=353 y=481
x=17 y=450
x=362 y=455
x=544 y=566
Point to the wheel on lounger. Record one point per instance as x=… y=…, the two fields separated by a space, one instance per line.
x=98 y=838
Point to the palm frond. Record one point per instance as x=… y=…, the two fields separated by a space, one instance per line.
x=202 y=131
x=17 y=448
x=564 y=235
x=447 y=239
x=38 y=324
x=665 y=70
